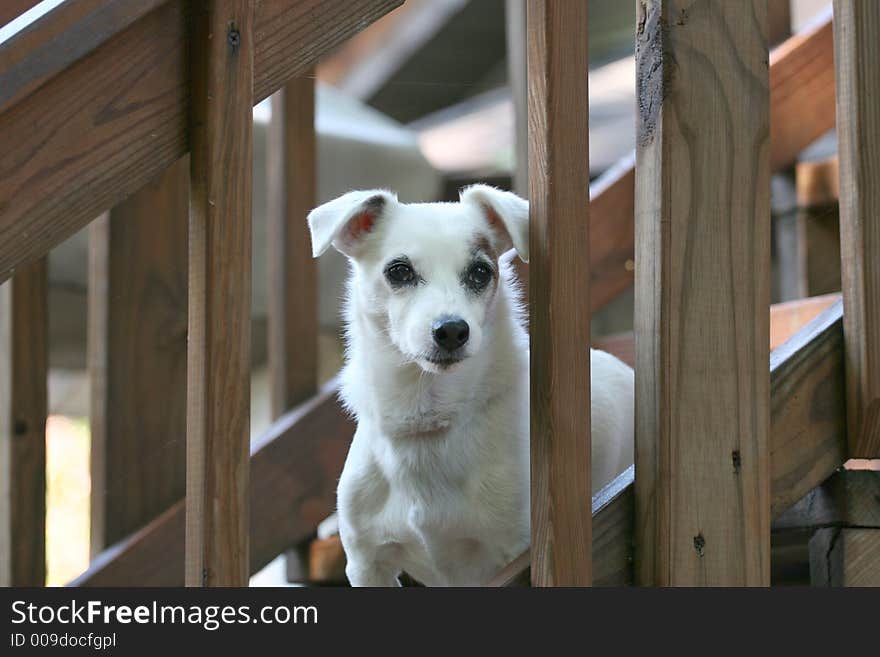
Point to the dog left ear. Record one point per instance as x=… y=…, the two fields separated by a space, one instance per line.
x=345 y=222
x=507 y=214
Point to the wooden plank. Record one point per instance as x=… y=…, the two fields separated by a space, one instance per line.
x=218 y=355
x=845 y=557
x=293 y=285
x=807 y=408
x=702 y=295
x=807 y=437
x=137 y=357
x=295 y=466
x=801 y=110
x=59 y=38
x=801 y=90
x=111 y=121
x=818 y=227
x=856 y=30
x=559 y=274
x=24 y=345
x=289 y=495
x=787 y=318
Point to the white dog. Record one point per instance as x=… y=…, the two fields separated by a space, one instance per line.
x=437 y=479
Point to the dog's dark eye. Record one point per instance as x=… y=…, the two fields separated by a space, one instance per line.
x=400 y=273
x=478 y=276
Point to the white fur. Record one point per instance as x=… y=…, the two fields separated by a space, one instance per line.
x=436 y=482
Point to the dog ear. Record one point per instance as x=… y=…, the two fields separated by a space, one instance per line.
x=345 y=221
x=507 y=214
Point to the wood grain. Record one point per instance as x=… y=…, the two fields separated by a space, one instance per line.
x=111 y=121
x=293 y=282
x=845 y=557
x=787 y=318
x=137 y=357
x=801 y=110
x=702 y=294
x=24 y=345
x=857 y=50
x=559 y=291
x=59 y=38
x=218 y=355
x=295 y=466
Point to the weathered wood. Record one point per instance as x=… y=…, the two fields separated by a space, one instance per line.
x=294 y=469
x=137 y=357
x=218 y=355
x=807 y=437
x=111 y=121
x=24 y=346
x=559 y=288
x=293 y=285
x=807 y=407
x=845 y=557
x=702 y=295
x=857 y=50
x=801 y=110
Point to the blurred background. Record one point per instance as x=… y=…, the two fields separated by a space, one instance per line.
x=426 y=100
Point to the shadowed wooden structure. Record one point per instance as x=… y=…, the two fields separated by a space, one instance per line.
x=105 y=117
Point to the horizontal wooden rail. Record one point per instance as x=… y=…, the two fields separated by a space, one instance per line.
x=802 y=106
x=106 y=123
x=295 y=466
x=294 y=469
x=807 y=444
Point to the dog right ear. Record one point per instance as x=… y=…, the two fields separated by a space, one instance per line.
x=345 y=222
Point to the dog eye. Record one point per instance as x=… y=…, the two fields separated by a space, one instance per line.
x=400 y=273
x=479 y=276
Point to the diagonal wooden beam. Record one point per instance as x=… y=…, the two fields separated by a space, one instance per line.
x=107 y=123
x=294 y=469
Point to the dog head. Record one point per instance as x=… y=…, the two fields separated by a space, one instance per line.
x=429 y=272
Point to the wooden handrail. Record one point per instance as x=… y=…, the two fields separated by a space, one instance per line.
x=109 y=122
x=807 y=444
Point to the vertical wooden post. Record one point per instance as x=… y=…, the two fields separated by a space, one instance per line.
x=293 y=283
x=137 y=356
x=856 y=56
x=559 y=293
x=218 y=381
x=291 y=171
x=702 y=294
x=23 y=407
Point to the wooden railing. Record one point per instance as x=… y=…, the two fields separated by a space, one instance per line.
x=94 y=123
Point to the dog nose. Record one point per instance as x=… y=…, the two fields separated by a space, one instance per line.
x=451 y=333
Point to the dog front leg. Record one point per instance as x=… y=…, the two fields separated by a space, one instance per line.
x=365 y=572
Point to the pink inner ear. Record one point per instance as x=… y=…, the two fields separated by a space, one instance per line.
x=495 y=221
x=359 y=225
